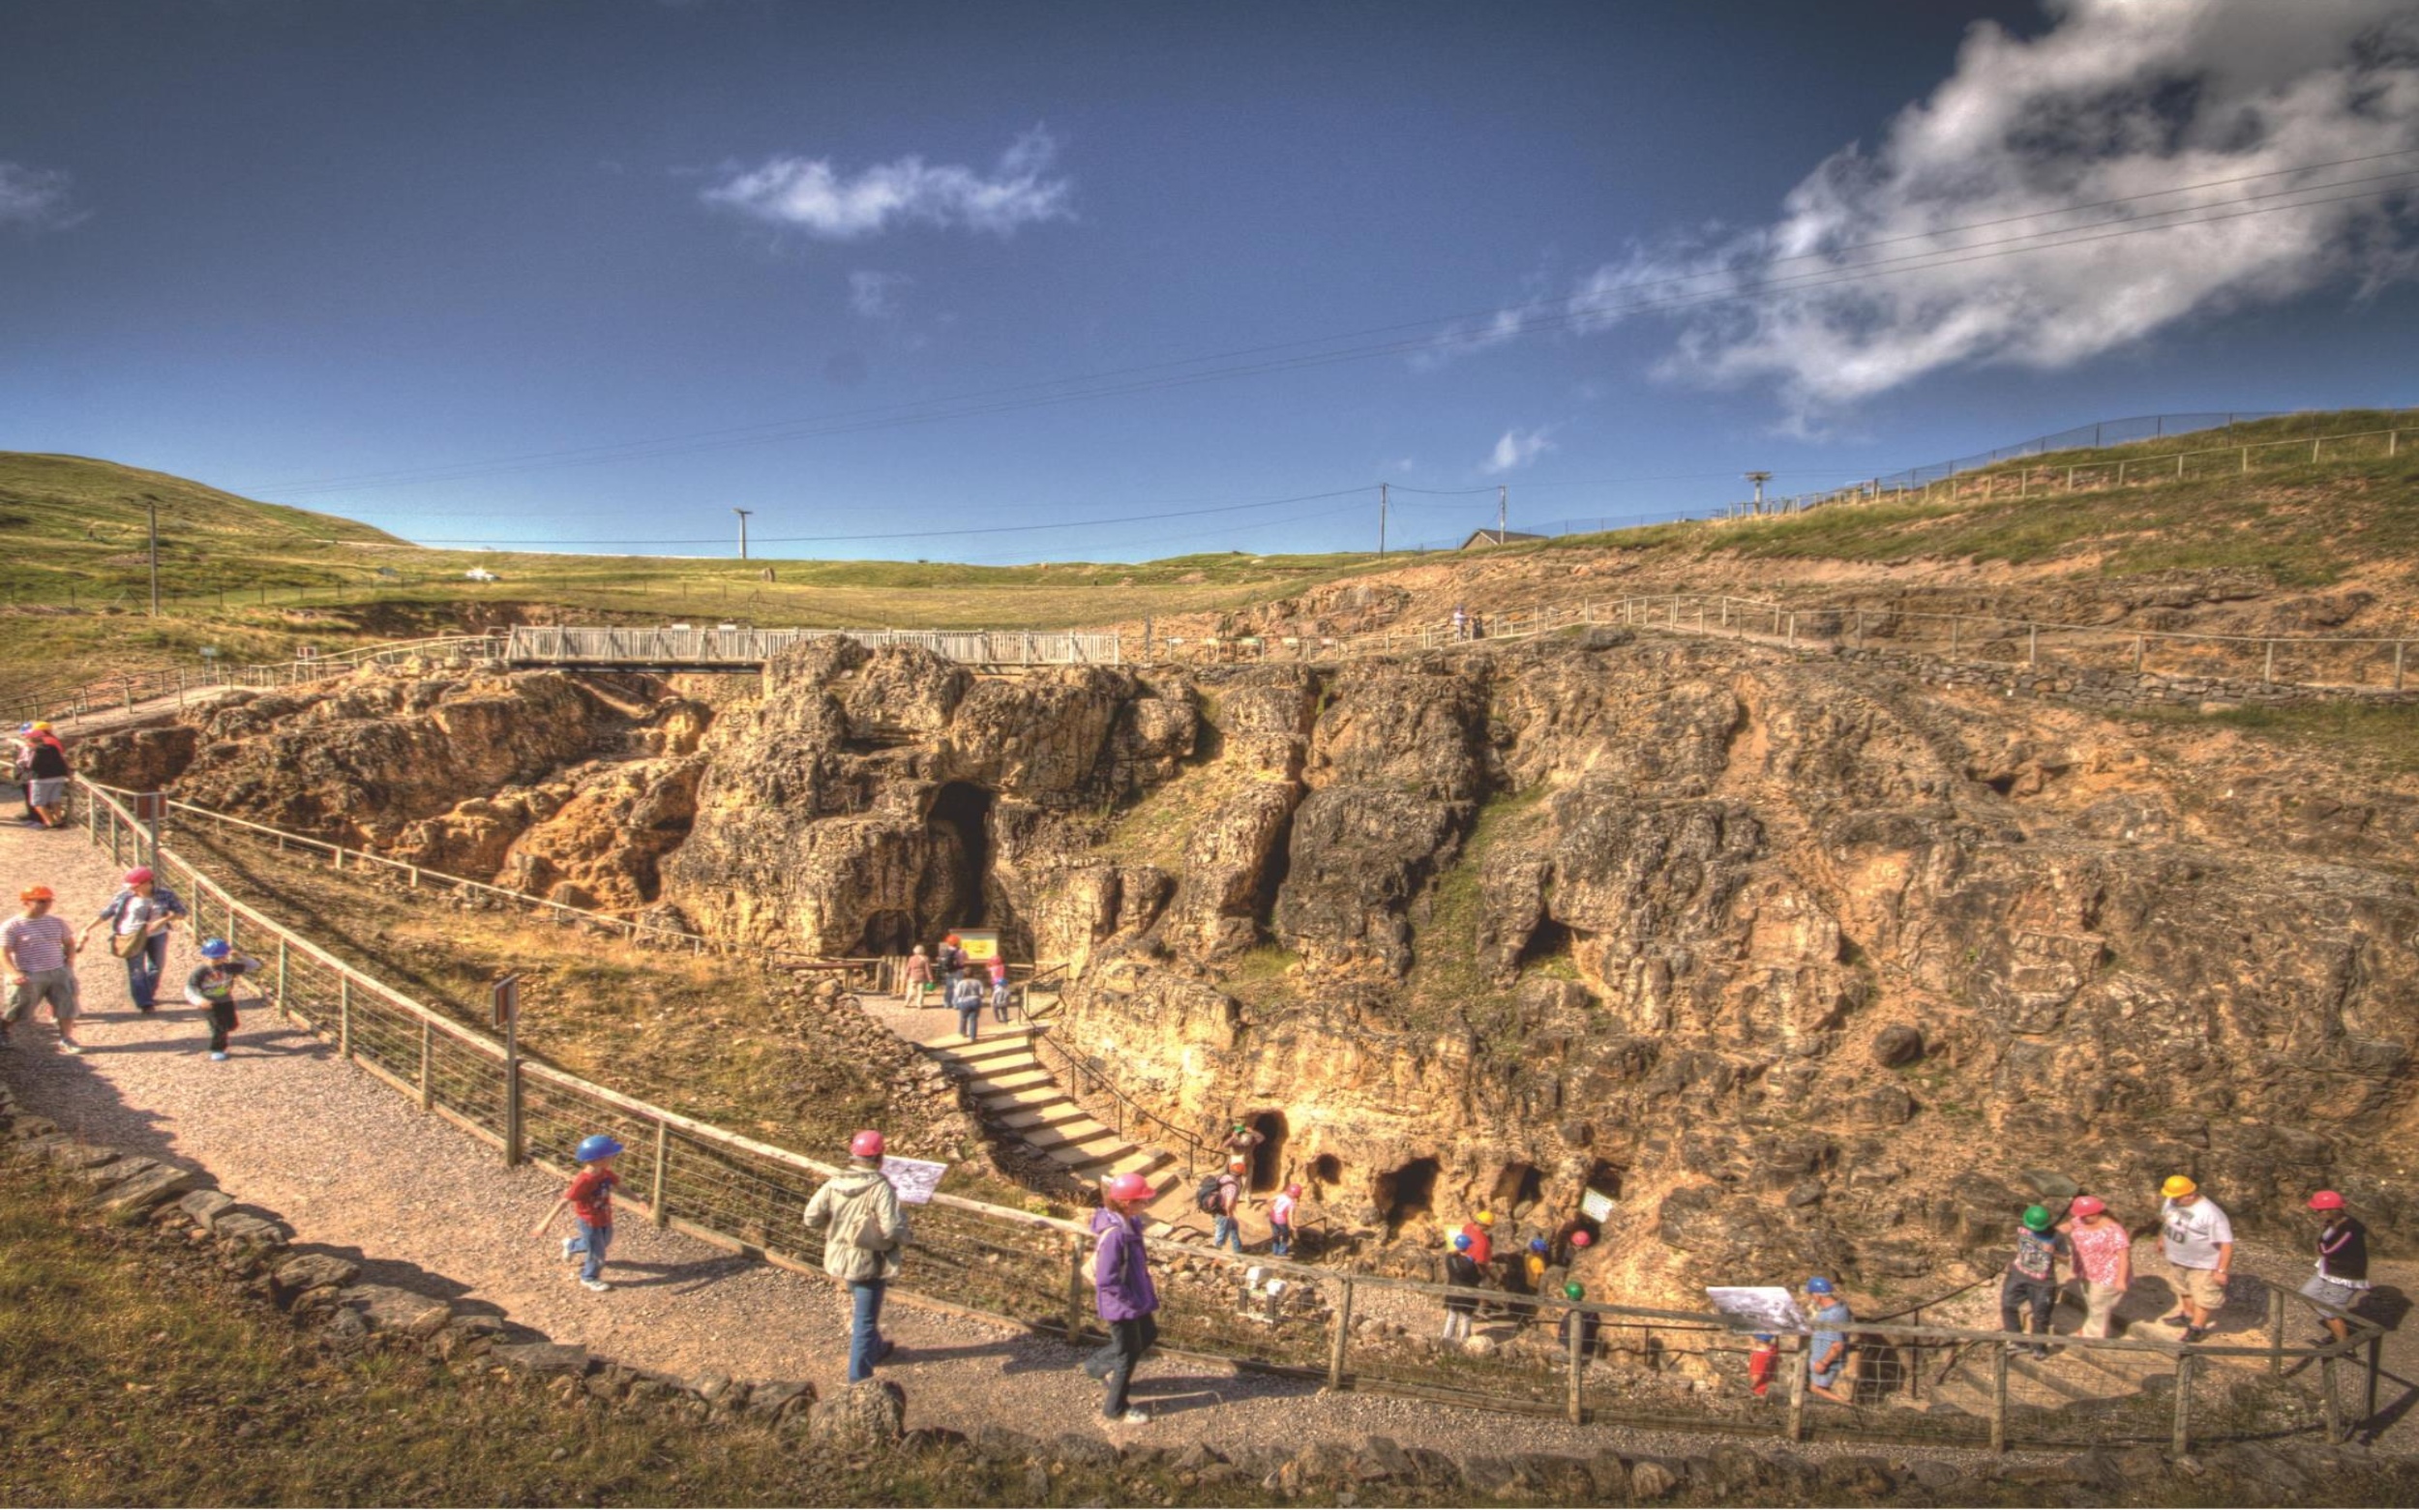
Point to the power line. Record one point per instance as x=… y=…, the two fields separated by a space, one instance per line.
x=923 y=411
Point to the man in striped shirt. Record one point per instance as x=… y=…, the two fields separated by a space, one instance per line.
x=41 y=952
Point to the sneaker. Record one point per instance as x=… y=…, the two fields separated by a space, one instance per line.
x=2179 y=1321
x=218 y=1055
x=568 y=1253
x=882 y=1353
x=2191 y=1336
x=1132 y=1414
x=69 y=1047
x=596 y=1286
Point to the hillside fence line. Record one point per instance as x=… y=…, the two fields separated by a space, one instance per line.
x=1026 y=1268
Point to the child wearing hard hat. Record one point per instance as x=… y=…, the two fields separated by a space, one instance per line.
x=590 y=1199
x=1827 y=1350
x=2031 y=1282
x=1128 y=1302
x=41 y=952
x=2342 y=1276
x=2104 y=1262
x=1460 y=1270
x=212 y=986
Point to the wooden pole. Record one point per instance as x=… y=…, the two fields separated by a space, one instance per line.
x=2368 y=1395
x=1999 y=1397
x=1575 y=1322
x=344 y=1016
x=656 y=1210
x=1336 y=1341
x=512 y=1090
x=427 y=1046
x=2326 y=1394
x=2276 y=1332
x=2187 y=1366
x=1795 y=1429
x=282 y=1007
x=1074 y=1286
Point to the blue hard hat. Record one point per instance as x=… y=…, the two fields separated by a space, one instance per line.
x=1820 y=1286
x=596 y=1146
x=1767 y=1338
x=217 y=949
x=1461 y=1242
x=1537 y=1245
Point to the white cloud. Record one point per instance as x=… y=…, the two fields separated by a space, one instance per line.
x=36 y=198
x=2117 y=99
x=1519 y=448
x=875 y=295
x=821 y=200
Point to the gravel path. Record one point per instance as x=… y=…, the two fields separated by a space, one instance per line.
x=360 y=1172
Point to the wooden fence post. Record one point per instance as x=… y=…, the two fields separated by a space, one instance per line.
x=427 y=1047
x=2276 y=1332
x=2032 y=645
x=2267 y=673
x=2326 y=1393
x=656 y=1211
x=2137 y=654
x=344 y=1016
x=1914 y=1360
x=1795 y=1427
x=2397 y=666
x=2368 y=1396
x=2187 y=1366
x=283 y=1008
x=1999 y=1397
x=1074 y=1288
x=1336 y=1342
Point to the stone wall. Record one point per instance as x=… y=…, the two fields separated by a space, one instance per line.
x=2113 y=687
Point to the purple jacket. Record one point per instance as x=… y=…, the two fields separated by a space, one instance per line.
x=1124 y=1290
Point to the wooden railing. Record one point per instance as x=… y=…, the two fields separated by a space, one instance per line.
x=677 y=646
x=1027 y=1268
x=123 y=691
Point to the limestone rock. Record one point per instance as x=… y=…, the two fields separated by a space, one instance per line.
x=146 y=1189
x=543 y=1358
x=395 y=1310
x=868 y=1412
x=303 y=1272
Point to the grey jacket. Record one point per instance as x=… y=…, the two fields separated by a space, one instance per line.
x=854 y=1200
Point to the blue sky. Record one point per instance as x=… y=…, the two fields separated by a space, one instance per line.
x=410 y=262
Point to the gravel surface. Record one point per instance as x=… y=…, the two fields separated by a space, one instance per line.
x=359 y=1171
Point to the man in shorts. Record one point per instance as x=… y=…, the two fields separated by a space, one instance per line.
x=41 y=952
x=2198 y=1242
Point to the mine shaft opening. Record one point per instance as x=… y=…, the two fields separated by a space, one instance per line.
x=1327 y=1171
x=1267 y=1157
x=1518 y=1187
x=888 y=932
x=1550 y=940
x=961 y=824
x=1406 y=1193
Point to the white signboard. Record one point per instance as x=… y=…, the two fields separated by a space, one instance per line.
x=1596 y=1205
x=1758 y=1309
x=917 y=1181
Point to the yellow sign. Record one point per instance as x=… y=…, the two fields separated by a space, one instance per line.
x=978 y=944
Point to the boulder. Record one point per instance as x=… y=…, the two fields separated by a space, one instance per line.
x=1651 y=1480
x=146 y=1190
x=303 y=1272
x=869 y=1413
x=777 y=1400
x=543 y=1358
x=394 y=1310
x=204 y=1206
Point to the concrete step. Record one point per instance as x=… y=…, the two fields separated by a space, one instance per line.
x=1008 y=1041
x=1080 y=1145
x=1010 y=1083
x=1029 y=1119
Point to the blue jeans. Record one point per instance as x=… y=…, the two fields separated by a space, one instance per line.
x=865 y=1341
x=1226 y=1231
x=592 y=1241
x=1280 y=1239
x=143 y=968
x=970 y=1019
x=1128 y=1338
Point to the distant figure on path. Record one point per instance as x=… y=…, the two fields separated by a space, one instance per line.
x=45 y=788
x=2198 y=1240
x=966 y=995
x=919 y=976
x=1461 y=623
x=1123 y=1293
x=1460 y=1270
x=864 y=1228
x=140 y=916
x=590 y=1199
x=212 y=986
x=2103 y=1263
x=41 y=951
x=1826 y=1351
x=2342 y=1276
x=1281 y=1221
x=2031 y=1280
x=999 y=998
x=1226 y=1230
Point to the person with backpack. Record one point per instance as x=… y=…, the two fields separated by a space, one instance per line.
x=211 y=987
x=1228 y=1229
x=1123 y=1293
x=1460 y=1270
x=966 y=995
x=864 y=1228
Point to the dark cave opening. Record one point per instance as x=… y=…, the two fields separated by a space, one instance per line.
x=1516 y=1184
x=891 y=932
x=961 y=821
x=1267 y=1157
x=1327 y=1171
x=1407 y=1193
x=1549 y=941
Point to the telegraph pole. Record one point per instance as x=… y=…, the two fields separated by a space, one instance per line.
x=1499 y=493
x=153 y=506
x=1381 y=519
x=743 y=514
x=1759 y=479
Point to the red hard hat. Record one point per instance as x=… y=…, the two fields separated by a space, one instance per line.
x=1131 y=1187
x=2326 y=1202
x=2085 y=1206
x=142 y=873
x=867 y=1144
x=1580 y=1240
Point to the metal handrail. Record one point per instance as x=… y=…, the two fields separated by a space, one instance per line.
x=1080 y=1075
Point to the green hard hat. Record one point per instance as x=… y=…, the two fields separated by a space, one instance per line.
x=2037 y=1218
x=1575 y=1292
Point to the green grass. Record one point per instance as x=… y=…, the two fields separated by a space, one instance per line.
x=2381 y=737
x=1449 y=986
x=1262 y=977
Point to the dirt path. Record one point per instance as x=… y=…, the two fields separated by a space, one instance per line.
x=360 y=1172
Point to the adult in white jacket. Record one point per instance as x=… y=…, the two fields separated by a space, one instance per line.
x=864 y=1228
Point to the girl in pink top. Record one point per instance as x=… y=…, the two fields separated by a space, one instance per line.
x=1281 y=1221
x=2104 y=1262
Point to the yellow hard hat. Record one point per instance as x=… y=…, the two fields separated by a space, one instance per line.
x=2179 y=1186
x=41 y=723
x=1485 y=1220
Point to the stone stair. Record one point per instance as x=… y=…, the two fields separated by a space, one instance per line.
x=1020 y=1097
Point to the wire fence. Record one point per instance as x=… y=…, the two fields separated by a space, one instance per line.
x=1586 y=1361
x=125 y=691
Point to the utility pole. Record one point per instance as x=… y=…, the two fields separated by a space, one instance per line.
x=153 y=506
x=1759 y=479
x=1381 y=519
x=1499 y=493
x=743 y=514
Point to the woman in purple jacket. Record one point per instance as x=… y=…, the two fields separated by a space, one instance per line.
x=1123 y=1294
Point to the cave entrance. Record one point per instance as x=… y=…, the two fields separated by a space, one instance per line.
x=1517 y=1186
x=1550 y=940
x=960 y=820
x=1604 y=1177
x=891 y=932
x=1267 y=1157
x=1327 y=1171
x=1407 y=1193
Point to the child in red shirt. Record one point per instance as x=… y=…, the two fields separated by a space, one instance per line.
x=590 y=1199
